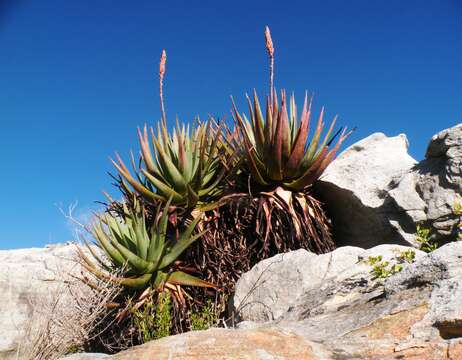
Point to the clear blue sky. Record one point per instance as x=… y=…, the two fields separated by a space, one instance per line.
x=77 y=77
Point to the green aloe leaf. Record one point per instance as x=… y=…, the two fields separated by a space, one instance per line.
x=181 y=278
x=134 y=260
x=181 y=245
x=164 y=188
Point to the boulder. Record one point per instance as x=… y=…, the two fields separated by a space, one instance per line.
x=86 y=356
x=27 y=276
x=355 y=187
x=352 y=314
x=377 y=194
x=221 y=344
x=275 y=285
x=428 y=192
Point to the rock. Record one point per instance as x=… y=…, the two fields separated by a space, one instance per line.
x=273 y=286
x=27 y=275
x=413 y=314
x=221 y=344
x=85 y=356
x=428 y=192
x=355 y=187
x=376 y=193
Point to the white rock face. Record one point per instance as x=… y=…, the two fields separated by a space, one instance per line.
x=428 y=192
x=27 y=274
x=355 y=188
x=376 y=193
x=273 y=286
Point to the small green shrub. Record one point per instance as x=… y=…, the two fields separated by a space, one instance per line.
x=423 y=238
x=154 y=320
x=374 y=259
x=383 y=269
x=205 y=318
x=407 y=256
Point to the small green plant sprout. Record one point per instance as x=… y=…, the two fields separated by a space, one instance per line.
x=382 y=269
x=374 y=259
x=423 y=238
x=205 y=318
x=457 y=209
x=407 y=256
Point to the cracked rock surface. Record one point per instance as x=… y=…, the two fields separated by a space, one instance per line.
x=27 y=275
x=377 y=193
x=351 y=314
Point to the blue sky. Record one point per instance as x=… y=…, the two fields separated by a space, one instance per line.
x=78 y=77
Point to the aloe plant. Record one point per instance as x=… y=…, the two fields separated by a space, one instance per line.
x=275 y=147
x=279 y=161
x=186 y=166
x=144 y=254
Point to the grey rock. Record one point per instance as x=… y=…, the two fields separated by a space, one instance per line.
x=355 y=188
x=27 y=275
x=377 y=194
x=274 y=286
x=414 y=313
x=85 y=356
x=428 y=192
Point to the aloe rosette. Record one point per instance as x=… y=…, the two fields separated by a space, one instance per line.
x=144 y=254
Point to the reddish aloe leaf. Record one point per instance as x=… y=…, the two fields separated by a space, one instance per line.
x=268 y=131
x=181 y=153
x=304 y=180
x=253 y=168
x=326 y=138
x=274 y=107
x=298 y=149
x=133 y=282
x=249 y=104
x=259 y=135
x=275 y=163
x=330 y=156
x=145 y=149
x=314 y=143
x=285 y=136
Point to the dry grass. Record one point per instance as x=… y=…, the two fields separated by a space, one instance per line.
x=64 y=318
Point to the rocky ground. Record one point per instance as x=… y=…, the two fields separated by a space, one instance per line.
x=332 y=306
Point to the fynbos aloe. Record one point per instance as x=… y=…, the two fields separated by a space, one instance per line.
x=144 y=254
x=185 y=166
x=282 y=162
x=276 y=149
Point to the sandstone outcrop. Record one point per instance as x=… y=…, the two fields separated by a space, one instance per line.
x=376 y=193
